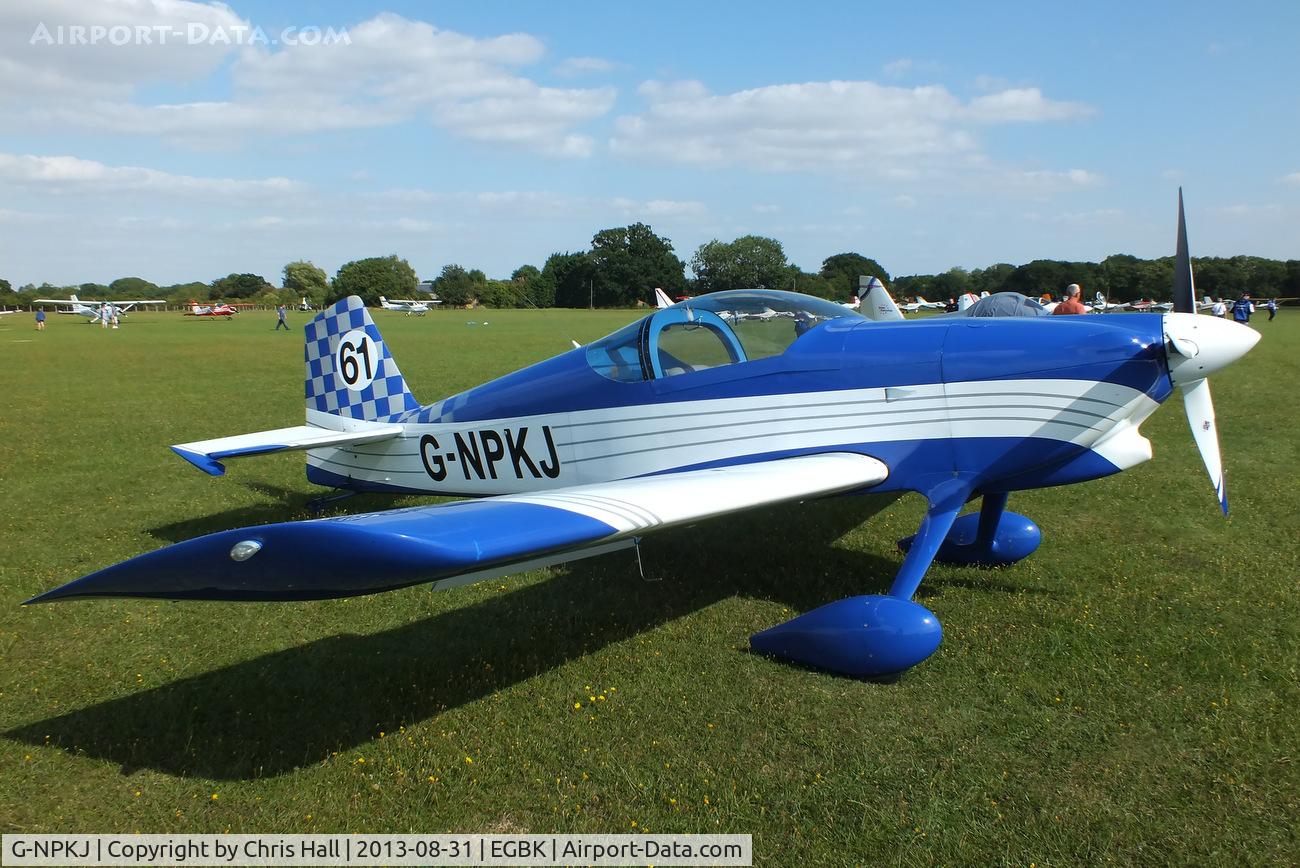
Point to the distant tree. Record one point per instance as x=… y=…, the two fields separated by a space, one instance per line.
x=132 y=287
x=951 y=284
x=456 y=286
x=530 y=289
x=1043 y=276
x=370 y=278
x=843 y=270
x=628 y=262
x=572 y=276
x=239 y=286
x=1291 y=284
x=94 y=290
x=5 y=286
x=1121 y=278
x=182 y=293
x=992 y=279
x=305 y=279
x=798 y=280
x=749 y=262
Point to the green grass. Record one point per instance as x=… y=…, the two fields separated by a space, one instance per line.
x=1127 y=694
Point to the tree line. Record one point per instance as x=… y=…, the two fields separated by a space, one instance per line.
x=623 y=265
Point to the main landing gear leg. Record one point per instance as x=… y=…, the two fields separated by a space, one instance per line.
x=991 y=538
x=874 y=636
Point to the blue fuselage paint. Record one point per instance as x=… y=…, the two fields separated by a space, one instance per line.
x=937 y=399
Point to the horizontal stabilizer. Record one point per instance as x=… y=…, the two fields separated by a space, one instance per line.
x=452 y=543
x=207 y=455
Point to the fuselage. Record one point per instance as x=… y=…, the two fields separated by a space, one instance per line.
x=1011 y=403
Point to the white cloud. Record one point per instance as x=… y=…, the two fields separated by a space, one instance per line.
x=573 y=67
x=767 y=209
x=1293 y=179
x=889 y=132
x=1050 y=182
x=906 y=66
x=40 y=57
x=390 y=70
x=898 y=68
x=72 y=175
x=1024 y=104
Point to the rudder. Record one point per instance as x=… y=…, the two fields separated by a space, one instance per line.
x=349 y=371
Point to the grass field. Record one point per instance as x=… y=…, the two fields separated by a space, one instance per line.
x=1128 y=694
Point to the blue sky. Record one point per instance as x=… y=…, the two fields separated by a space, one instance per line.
x=925 y=136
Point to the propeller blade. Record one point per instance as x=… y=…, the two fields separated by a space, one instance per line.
x=1184 y=286
x=1200 y=415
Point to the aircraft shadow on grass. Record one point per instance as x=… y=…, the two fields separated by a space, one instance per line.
x=292 y=708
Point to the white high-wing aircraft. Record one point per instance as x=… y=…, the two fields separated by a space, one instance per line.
x=921 y=304
x=93 y=309
x=662 y=301
x=407 y=305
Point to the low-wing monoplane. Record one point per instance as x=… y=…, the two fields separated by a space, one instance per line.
x=95 y=311
x=682 y=416
x=409 y=306
x=210 y=310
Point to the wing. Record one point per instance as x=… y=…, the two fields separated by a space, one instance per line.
x=454 y=543
x=207 y=455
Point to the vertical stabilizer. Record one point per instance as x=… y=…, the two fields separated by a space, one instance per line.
x=876 y=301
x=350 y=372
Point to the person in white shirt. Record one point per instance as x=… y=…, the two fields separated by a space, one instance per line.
x=1220 y=309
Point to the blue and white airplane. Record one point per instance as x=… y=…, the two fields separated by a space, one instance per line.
x=687 y=414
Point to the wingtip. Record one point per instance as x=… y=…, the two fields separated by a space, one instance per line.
x=206 y=463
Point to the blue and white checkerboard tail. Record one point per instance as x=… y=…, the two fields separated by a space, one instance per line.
x=350 y=372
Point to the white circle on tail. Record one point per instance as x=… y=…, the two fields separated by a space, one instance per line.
x=356 y=359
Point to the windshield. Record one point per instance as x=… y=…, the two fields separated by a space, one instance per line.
x=722 y=328
x=768 y=321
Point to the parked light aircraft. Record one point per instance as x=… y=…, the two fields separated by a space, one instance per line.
x=920 y=303
x=1099 y=304
x=94 y=310
x=409 y=306
x=680 y=417
x=210 y=310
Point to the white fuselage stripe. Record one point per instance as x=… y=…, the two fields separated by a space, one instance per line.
x=622 y=442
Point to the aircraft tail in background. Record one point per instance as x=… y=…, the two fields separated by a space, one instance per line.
x=876 y=301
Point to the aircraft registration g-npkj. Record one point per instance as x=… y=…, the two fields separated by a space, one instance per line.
x=688 y=414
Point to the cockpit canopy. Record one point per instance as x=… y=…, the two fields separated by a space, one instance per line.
x=722 y=328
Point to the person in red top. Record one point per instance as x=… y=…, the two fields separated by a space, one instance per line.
x=1071 y=303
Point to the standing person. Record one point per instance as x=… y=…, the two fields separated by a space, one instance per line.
x=279 y=312
x=113 y=310
x=103 y=315
x=1242 y=308
x=40 y=319
x=1071 y=305
x=1272 y=308
x=1220 y=309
